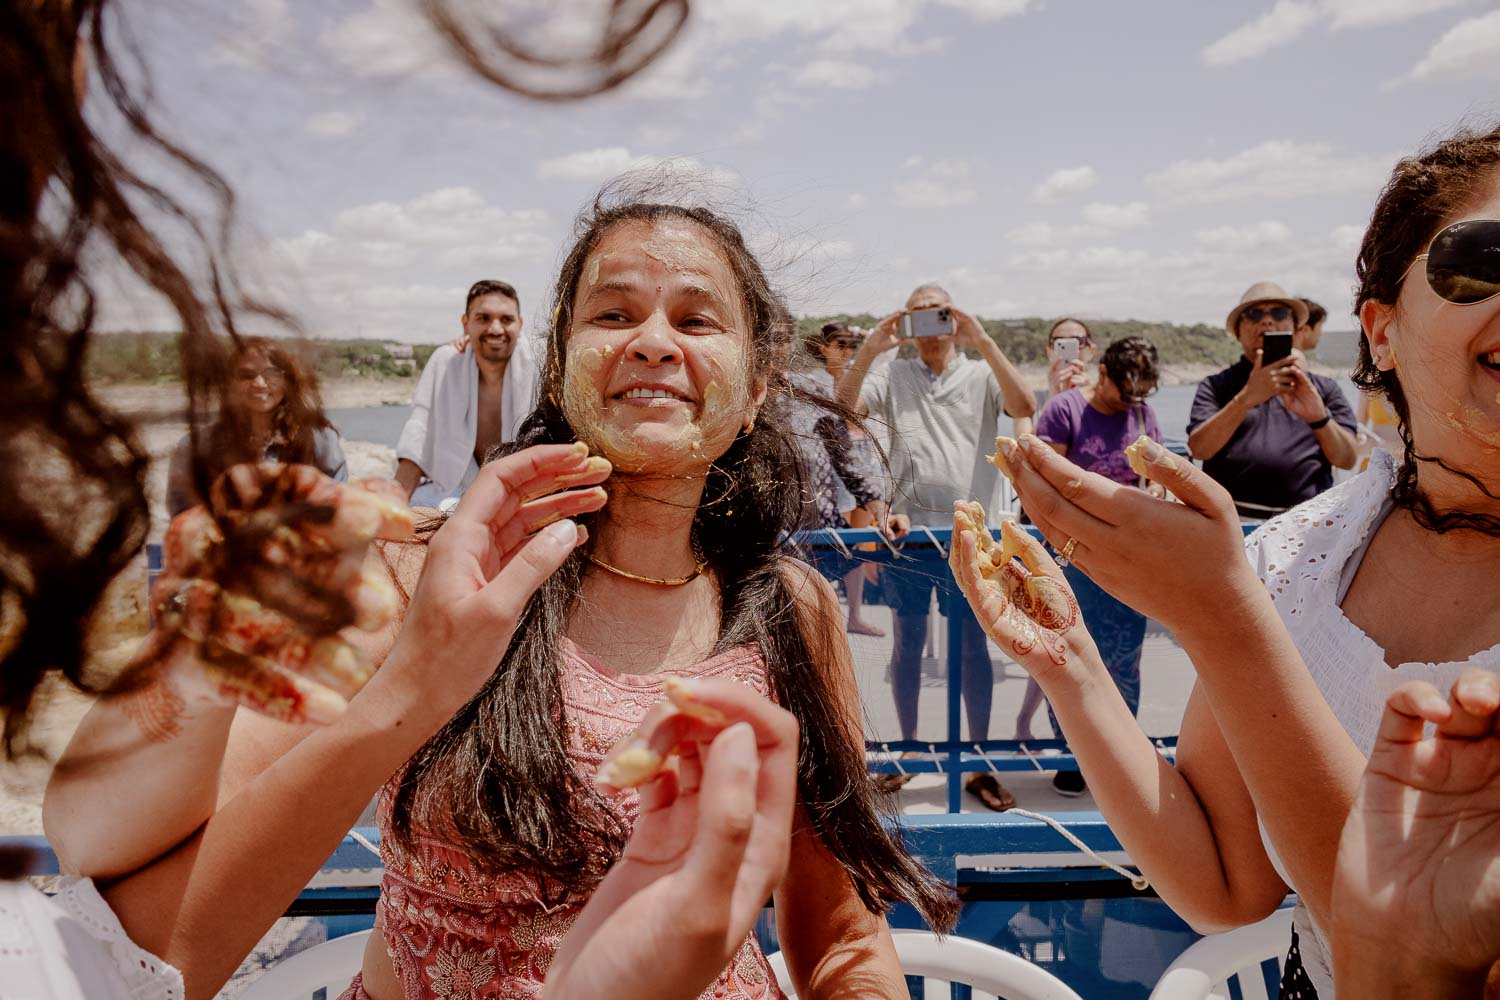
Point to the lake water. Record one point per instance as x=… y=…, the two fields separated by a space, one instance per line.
x=382 y=424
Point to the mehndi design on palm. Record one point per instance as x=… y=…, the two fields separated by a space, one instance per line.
x=256 y=591
x=1026 y=606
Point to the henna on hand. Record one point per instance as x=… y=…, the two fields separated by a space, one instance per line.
x=1019 y=604
x=255 y=591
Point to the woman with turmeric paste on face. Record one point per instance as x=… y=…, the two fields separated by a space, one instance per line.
x=666 y=359
x=1385 y=580
x=274 y=571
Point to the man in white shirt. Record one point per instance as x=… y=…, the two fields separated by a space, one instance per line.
x=469 y=399
x=941 y=409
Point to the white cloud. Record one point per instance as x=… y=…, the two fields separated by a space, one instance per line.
x=988 y=10
x=1469 y=50
x=938 y=184
x=387 y=38
x=1288 y=20
x=592 y=164
x=595 y=165
x=837 y=74
x=1368 y=13
x=333 y=123
x=1283 y=23
x=258 y=27
x=1277 y=169
x=1045 y=234
x=384 y=269
x=1128 y=216
x=1066 y=181
x=857 y=200
x=1348 y=238
x=1257 y=234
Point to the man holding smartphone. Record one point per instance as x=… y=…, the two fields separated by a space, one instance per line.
x=1266 y=428
x=941 y=409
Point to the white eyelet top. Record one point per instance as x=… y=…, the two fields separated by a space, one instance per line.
x=71 y=947
x=1306 y=558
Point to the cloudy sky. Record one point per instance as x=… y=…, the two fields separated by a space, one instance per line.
x=1145 y=159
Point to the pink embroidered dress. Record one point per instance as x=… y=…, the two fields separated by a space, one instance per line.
x=454 y=933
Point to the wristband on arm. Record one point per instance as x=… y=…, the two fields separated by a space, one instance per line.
x=1320 y=424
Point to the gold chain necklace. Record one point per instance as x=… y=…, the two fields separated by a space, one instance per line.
x=697 y=571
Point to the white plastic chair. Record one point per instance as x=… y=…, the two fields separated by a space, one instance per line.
x=1204 y=971
x=327 y=967
x=961 y=960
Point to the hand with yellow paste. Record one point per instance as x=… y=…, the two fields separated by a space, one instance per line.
x=256 y=595
x=1131 y=543
x=713 y=840
x=1026 y=607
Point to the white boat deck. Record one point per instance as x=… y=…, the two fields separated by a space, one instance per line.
x=1166 y=680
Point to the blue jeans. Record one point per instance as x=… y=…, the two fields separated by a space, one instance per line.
x=1118 y=631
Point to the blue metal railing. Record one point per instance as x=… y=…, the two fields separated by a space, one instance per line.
x=834 y=552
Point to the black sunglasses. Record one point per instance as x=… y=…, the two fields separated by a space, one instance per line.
x=1279 y=313
x=1463 y=262
x=846 y=343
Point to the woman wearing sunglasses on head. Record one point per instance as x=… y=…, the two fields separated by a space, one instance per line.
x=1385 y=579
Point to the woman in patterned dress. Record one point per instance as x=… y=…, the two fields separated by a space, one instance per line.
x=667 y=357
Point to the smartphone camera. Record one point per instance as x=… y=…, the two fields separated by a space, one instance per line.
x=928 y=323
x=1274 y=347
x=1067 y=348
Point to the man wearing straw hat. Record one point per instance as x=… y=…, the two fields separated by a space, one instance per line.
x=1270 y=432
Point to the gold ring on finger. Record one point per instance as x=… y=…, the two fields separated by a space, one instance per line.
x=1066 y=556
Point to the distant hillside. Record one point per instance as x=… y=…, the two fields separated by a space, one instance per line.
x=152 y=357
x=1025 y=340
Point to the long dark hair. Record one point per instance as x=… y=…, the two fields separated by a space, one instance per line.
x=73 y=509
x=1424 y=192
x=54 y=566
x=498 y=777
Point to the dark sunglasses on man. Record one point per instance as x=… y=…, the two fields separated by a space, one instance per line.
x=1463 y=262
x=1257 y=313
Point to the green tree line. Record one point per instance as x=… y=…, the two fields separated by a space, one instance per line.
x=153 y=357
x=1025 y=340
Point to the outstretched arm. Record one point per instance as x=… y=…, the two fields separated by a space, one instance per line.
x=1213 y=870
x=1273 y=718
x=482 y=567
x=1019 y=401
x=150 y=757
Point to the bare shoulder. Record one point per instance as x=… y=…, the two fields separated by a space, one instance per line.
x=809 y=588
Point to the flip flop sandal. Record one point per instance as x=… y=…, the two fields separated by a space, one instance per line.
x=986 y=789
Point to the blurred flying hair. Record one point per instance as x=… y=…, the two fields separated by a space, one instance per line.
x=498 y=777
x=1424 y=194
x=73 y=509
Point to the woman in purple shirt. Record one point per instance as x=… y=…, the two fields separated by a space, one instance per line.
x=1091 y=426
